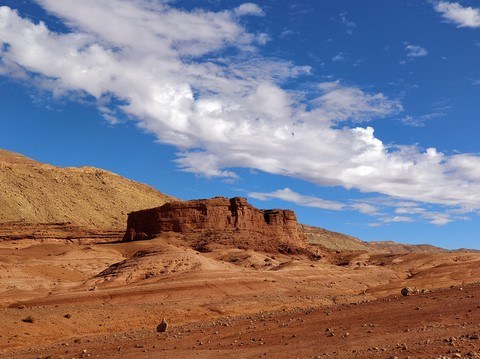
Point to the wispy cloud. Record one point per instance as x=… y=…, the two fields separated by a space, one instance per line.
x=415 y=51
x=420 y=121
x=433 y=217
x=339 y=57
x=397 y=219
x=384 y=211
x=249 y=9
x=288 y=195
x=287 y=33
x=364 y=208
x=457 y=14
x=349 y=24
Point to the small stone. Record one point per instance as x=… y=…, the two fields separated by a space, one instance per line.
x=406 y=291
x=162 y=327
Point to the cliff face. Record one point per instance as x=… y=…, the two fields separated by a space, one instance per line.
x=218 y=221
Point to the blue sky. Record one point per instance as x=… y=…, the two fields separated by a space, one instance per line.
x=362 y=116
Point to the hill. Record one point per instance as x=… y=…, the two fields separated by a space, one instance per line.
x=33 y=192
x=341 y=242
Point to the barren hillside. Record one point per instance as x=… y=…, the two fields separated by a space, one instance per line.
x=33 y=192
x=342 y=242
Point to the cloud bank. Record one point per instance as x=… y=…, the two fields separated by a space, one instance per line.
x=197 y=80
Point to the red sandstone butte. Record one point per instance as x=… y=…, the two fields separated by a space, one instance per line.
x=219 y=221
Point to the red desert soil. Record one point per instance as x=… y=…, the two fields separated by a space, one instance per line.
x=232 y=303
x=424 y=326
x=69 y=288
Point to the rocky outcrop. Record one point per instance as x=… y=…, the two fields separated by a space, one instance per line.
x=219 y=221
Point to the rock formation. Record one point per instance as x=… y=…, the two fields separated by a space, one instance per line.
x=219 y=221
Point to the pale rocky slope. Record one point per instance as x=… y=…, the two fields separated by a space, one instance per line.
x=342 y=242
x=33 y=192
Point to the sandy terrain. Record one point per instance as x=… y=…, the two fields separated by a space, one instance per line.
x=105 y=300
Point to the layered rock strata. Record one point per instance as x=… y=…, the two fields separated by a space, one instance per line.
x=219 y=221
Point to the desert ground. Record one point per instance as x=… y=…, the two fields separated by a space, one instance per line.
x=103 y=298
x=71 y=288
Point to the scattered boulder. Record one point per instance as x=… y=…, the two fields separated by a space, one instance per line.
x=162 y=327
x=406 y=291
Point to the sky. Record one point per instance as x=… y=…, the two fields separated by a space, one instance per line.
x=362 y=116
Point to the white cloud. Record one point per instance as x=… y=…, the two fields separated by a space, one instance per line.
x=433 y=217
x=364 y=208
x=437 y=218
x=287 y=33
x=458 y=14
x=399 y=219
x=385 y=210
x=262 y=38
x=419 y=121
x=415 y=51
x=339 y=57
x=171 y=70
x=249 y=9
x=287 y=194
x=349 y=24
